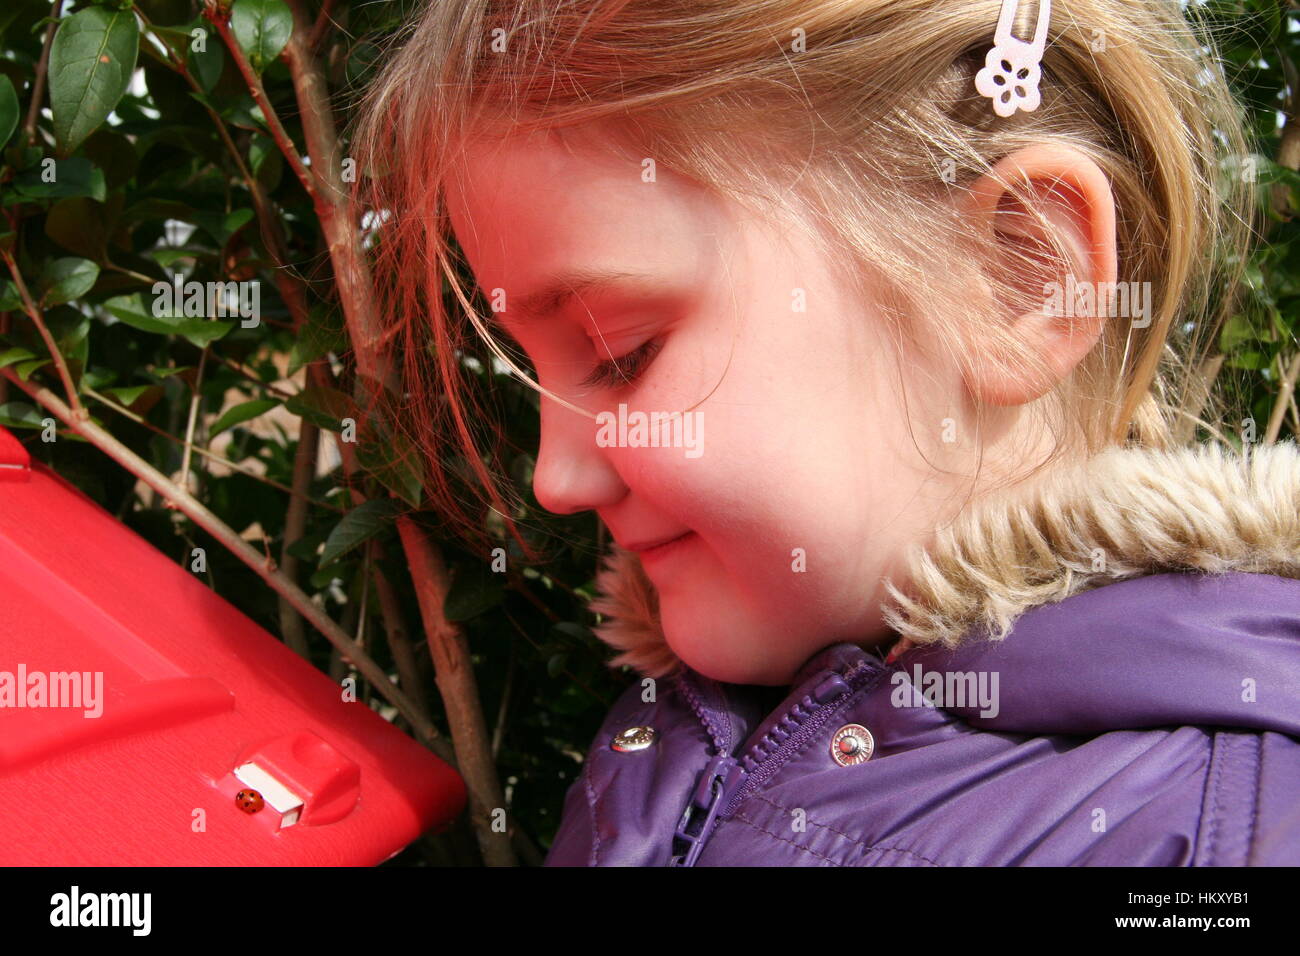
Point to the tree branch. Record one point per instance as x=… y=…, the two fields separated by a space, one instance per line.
x=220 y=19
x=351 y=270
x=224 y=534
x=42 y=70
x=295 y=522
x=455 y=676
x=35 y=315
x=399 y=641
x=1286 y=389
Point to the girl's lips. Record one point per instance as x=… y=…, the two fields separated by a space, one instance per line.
x=666 y=547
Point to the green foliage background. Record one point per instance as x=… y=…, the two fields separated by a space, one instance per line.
x=147 y=188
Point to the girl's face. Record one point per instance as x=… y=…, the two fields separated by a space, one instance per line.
x=796 y=484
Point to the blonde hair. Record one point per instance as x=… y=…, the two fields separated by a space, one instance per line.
x=860 y=116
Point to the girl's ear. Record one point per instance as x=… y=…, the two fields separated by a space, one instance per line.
x=1074 y=196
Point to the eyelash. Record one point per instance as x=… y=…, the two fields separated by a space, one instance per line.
x=623 y=370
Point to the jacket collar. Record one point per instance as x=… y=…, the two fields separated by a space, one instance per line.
x=1126 y=513
x=1161 y=650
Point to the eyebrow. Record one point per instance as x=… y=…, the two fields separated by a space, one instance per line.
x=559 y=291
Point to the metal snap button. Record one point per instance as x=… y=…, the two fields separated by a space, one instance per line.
x=852 y=745
x=633 y=739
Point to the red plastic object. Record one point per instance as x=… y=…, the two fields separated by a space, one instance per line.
x=195 y=702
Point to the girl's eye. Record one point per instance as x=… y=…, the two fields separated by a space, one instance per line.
x=624 y=370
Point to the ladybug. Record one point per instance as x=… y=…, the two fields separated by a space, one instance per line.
x=250 y=801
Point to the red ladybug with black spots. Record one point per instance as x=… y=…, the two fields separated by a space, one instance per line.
x=250 y=801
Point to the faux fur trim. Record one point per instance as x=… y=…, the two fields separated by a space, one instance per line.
x=1126 y=512
x=629 y=606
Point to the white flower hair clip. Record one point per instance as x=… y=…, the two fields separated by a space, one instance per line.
x=1010 y=75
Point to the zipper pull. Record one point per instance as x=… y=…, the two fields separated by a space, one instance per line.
x=719 y=779
x=832 y=687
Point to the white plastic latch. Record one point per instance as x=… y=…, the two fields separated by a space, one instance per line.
x=279 y=797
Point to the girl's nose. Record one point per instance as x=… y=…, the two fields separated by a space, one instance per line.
x=573 y=473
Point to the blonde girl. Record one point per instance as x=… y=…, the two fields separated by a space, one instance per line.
x=854 y=354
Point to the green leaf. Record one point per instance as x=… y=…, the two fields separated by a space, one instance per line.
x=358 y=526
x=221 y=226
x=242 y=112
x=1254 y=361
x=242 y=413
x=167 y=255
x=266 y=162
x=262 y=28
x=304 y=549
x=473 y=590
x=114 y=154
x=137 y=398
x=66 y=279
x=156 y=210
x=61 y=178
x=8 y=109
x=99 y=377
x=130 y=309
x=20 y=415
x=323 y=333
x=170 y=371
x=573 y=631
x=25 y=369
x=1236 y=330
x=10 y=356
x=128 y=393
x=70 y=327
x=555 y=664
x=396 y=465
x=206 y=64
x=23 y=157
x=82 y=225
x=91 y=62
x=323 y=407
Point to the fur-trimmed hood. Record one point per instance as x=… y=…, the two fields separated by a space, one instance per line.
x=1124 y=513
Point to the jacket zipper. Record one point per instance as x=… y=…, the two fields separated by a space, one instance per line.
x=727 y=780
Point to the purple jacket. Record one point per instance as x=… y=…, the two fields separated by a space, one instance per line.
x=1152 y=721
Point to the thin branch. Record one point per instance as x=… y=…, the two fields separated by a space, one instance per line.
x=342 y=235
x=1201 y=387
x=399 y=639
x=295 y=524
x=455 y=675
x=220 y=19
x=517 y=582
x=1286 y=389
x=223 y=533
x=138 y=276
x=42 y=70
x=35 y=315
x=323 y=21
x=194 y=415
x=178 y=64
x=199 y=450
x=499 y=730
x=245 y=373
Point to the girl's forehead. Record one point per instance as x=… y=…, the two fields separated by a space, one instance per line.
x=534 y=194
x=572 y=157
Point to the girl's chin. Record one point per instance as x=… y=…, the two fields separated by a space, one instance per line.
x=710 y=642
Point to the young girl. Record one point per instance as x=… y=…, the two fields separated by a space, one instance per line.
x=860 y=325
